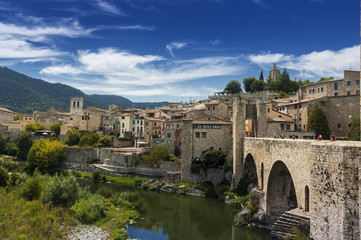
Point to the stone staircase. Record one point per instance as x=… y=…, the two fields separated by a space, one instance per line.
x=286 y=223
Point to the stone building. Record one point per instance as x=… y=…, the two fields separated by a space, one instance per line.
x=76 y=105
x=349 y=85
x=6 y=115
x=274 y=74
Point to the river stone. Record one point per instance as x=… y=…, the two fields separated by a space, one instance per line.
x=167 y=188
x=227 y=198
x=154 y=186
x=194 y=192
x=243 y=218
x=262 y=220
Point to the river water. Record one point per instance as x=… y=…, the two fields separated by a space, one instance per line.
x=179 y=217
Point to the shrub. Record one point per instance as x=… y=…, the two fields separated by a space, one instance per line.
x=45 y=155
x=120 y=234
x=89 y=210
x=89 y=139
x=98 y=177
x=11 y=149
x=61 y=190
x=105 y=141
x=8 y=164
x=2 y=144
x=32 y=188
x=213 y=157
x=24 y=143
x=353 y=131
x=4 y=177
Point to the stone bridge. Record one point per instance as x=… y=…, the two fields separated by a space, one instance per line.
x=319 y=177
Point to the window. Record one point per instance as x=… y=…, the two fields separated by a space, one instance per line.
x=335 y=86
x=214 y=107
x=146 y=124
x=318 y=89
x=71 y=118
x=304 y=126
x=310 y=91
x=288 y=127
x=211 y=148
x=348 y=83
x=209 y=108
x=282 y=127
x=357 y=91
x=348 y=92
x=322 y=89
x=198 y=134
x=123 y=117
x=313 y=90
x=336 y=94
x=204 y=134
x=122 y=125
x=358 y=82
x=339 y=125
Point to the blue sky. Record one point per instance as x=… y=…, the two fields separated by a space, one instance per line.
x=154 y=50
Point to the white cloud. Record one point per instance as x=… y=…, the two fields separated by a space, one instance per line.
x=108 y=7
x=122 y=72
x=175 y=45
x=315 y=64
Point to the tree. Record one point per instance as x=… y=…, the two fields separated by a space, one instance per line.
x=233 y=87
x=258 y=86
x=73 y=137
x=24 y=143
x=32 y=127
x=157 y=154
x=213 y=158
x=45 y=155
x=353 y=132
x=318 y=122
x=89 y=139
x=247 y=82
x=56 y=128
x=261 y=76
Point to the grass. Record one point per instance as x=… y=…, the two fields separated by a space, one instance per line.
x=21 y=219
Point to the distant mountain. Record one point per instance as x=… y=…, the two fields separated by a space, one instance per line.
x=24 y=94
x=124 y=102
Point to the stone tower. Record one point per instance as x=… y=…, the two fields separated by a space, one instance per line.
x=76 y=105
x=274 y=73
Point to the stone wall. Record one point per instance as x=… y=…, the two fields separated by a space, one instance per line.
x=335 y=190
x=81 y=155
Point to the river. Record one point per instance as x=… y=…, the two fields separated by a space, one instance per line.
x=179 y=217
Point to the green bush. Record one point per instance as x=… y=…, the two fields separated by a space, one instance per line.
x=45 y=155
x=89 y=140
x=89 y=210
x=32 y=188
x=98 y=177
x=2 y=144
x=61 y=190
x=4 y=177
x=8 y=164
x=159 y=153
x=213 y=158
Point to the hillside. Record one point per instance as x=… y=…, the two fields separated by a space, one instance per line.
x=24 y=94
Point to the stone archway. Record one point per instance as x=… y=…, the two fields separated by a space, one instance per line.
x=281 y=194
x=250 y=172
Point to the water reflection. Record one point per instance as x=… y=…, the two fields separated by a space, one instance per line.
x=178 y=217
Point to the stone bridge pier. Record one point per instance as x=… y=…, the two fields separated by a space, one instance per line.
x=319 y=177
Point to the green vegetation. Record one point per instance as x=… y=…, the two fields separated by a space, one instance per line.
x=233 y=87
x=45 y=155
x=4 y=176
x=89 y=139
x=318 y=122
x=325 y=79
x=284 y=83
x=24 y=143
x=247 y=82
x=159 y=153
x=212 y=158
x=32 y=127
x=73 y=137
x=90 y=209
x=353 y=131
x=2 y=144
x=56 y=128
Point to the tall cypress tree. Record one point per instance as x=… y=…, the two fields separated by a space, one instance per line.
x=261 y=76
x=318 y=122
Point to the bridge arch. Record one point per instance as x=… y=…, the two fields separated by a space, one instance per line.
x=250 y=172
x=281 y=193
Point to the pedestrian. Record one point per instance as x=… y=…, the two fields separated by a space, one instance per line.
x=333 y=137
x=293 y=137
x=319 y=138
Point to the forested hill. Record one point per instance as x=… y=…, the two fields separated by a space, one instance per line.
x=124 y=102
x=24 y=94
